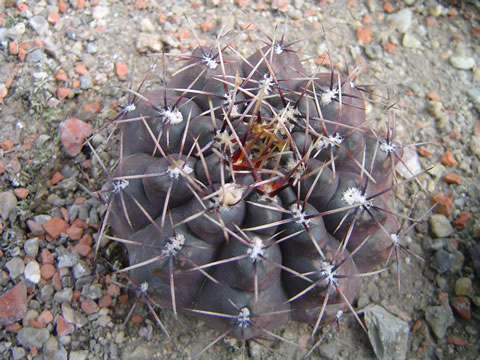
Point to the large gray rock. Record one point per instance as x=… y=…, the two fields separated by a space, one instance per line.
x=387 y=333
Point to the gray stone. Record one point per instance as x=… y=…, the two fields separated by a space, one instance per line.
x=30 y=247
x=93 y=291
x=442 y=261
x=146 y=25
x=51 y=347
x=464 y=287
x=387 y=333
x=440 y=226
x=30 y=337
x=36 y=56
x=474 y=95
x=78 y=355
x=81 y=269
x=68 y=259
x=18 y=353
x=64 y=295
x=15 y=267
x=8 y=204
x=440 y=318
x=46 y=292
x=39 y=24
x=16 y=31
x=86 y=82
x=60 y=354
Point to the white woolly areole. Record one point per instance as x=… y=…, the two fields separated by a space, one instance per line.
x=228 y=101
x=327 y=97
x=119 y=185
x=229 y=194
x=266 y=84
x=144 y=287
x=174 y=172
x=223 y=138
x=243 y=318
x=395 y=238
x=174 y=245
x=326 y=269
x=257 y=249
x=129 y=108
x=388 y=147
x=331 y=140
x=287 y=117
x=211 y=63
x=170 y=116
x=278 y=49
x=291 y=164
x=353 y=196
x=298 y=215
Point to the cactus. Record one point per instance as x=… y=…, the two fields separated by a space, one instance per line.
x=250 y=193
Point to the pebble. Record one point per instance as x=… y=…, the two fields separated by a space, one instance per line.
x=31 y=246
x=32 y=272
x=39 y=24
x=148 y=42
x=475 y=145
x=68 y=259
x=474 y=95
x=410 y=41
x=8 y=204
x=63 y=327
x=387 y=333
x=64 y=295
x=464 y=287
x=81 y=269
x=73 y=133
x=401 y=20
x=13 y=304
x=440 y=318
x=99 y=12
x=86 y=82
x=146 y=25
x=30 y=337
x=440 y=226
x=442 y=261
x=78 y=355
x=93 y=291
x=55 y=226
x=462 y=307
x=462 y=62
x=15 y=267
x=410 y=164
x=18 y=353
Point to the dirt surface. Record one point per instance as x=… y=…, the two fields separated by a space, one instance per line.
x=60 y=60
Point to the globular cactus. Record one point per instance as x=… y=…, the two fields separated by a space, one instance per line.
x=249 y=193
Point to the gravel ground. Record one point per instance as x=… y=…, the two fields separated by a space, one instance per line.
x=64 y=68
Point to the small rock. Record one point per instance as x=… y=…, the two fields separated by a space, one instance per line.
x=32 y=272
x=78 y=355
x=73 y=132
x=81 y=269
x=99 y=12
x=146 y=25
x=64 y=295
x=440 y=318
x=410 y=41
x=464 y=287
x=30 y=337
x=18 y=353
x=68 y=259
x=55 y=226
x=51 y=347
x=410 y=164
x=148 y=42
x=440 y=226
x=474 y=95
x=461 y=305
x=462 y=62
x=39 y=24
x=8 y=204
x=387 y=333
x=93 y=291
x=31 y=247
x=401 y=20
x=13 y=304
x=86 y=82
x=442 y=261
x=15 y=267
x=63 y=327
x=89 y=306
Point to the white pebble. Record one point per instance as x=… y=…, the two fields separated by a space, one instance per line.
x=32 y=272
x=401 y=20
x=99 y=12
x=462 y=62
